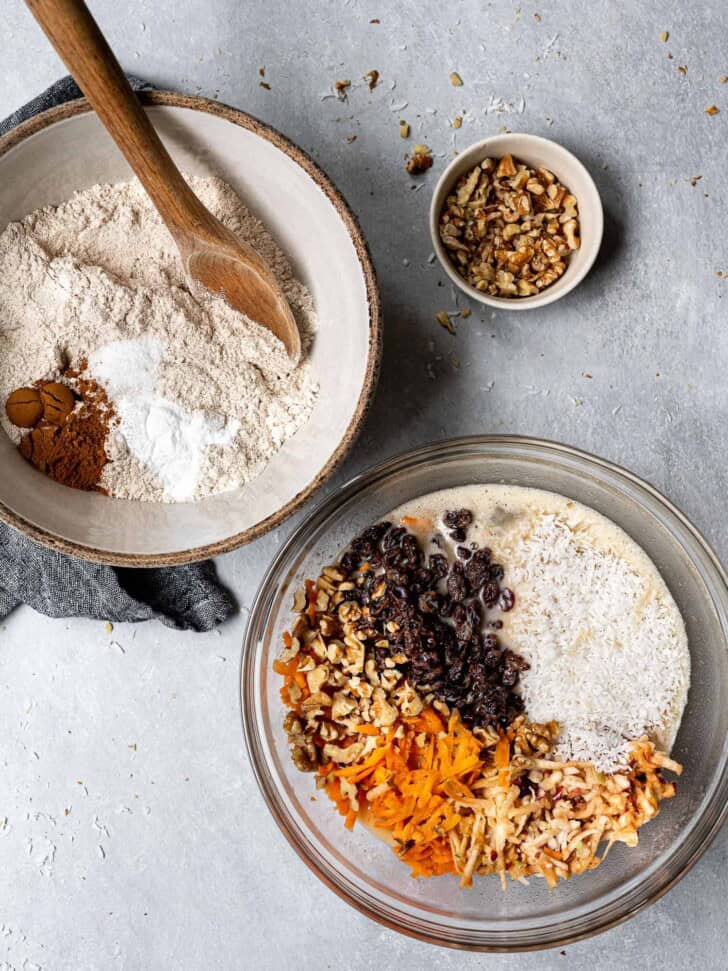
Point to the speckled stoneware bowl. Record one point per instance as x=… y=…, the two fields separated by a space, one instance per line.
x=537 y=152
x=45 y=160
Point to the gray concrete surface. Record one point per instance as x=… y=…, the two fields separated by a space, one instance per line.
x=132 y=834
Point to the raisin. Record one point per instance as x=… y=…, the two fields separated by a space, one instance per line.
x=507 y=599
x=438 y=565
x=477 y=569
x=458 y=518
x=439 y=633
x=393 y=538
x=457 y=585
x=490 y=594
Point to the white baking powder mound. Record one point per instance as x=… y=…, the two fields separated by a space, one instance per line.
x=167 y=439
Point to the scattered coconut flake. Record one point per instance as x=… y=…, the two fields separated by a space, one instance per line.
x=664 y=35
x=404 y=129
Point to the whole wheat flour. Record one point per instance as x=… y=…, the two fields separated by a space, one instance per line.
x=204 y=396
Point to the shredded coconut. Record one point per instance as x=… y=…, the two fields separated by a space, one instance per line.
x=205 y=396
x=605 y=641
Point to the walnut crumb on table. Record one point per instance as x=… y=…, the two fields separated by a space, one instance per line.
x=420 y=160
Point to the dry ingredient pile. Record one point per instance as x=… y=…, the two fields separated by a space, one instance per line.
x=489 y=715
x=169 y=394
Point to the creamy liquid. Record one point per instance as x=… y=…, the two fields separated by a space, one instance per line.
x=607 y=671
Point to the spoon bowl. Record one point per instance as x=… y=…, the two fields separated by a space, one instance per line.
x=237 y=271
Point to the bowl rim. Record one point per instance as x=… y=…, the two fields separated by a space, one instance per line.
x=154 y=98
x=613 y=912
x=549 y=295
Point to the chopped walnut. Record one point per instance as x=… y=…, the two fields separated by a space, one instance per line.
x=344 y=689
x=509 y=229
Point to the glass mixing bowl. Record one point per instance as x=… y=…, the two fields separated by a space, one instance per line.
x=360 y=867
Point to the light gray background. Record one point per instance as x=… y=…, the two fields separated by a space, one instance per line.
x=163 y=856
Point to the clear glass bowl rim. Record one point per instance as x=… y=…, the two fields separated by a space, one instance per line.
x=615 y=911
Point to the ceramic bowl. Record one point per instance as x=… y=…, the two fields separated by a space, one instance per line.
x=43 y=162
x=362 y=869
x=536 y=152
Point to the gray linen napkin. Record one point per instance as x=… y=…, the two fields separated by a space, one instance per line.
x=184 y=597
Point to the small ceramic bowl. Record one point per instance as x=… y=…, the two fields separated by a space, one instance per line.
x=46 y=159
x=536 y=152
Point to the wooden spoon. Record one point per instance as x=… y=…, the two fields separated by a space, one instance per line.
x=211 y=254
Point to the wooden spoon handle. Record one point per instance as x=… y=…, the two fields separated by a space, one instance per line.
x=76 y=37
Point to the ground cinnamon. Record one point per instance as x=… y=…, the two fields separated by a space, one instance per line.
x=74 y=453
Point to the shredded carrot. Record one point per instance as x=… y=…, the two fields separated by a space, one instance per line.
x=428 y=721
x=421 y=522
x=366 y=729
x=503 y=761
x=333 y=791
x=350 y=819
x=286 y=670
x=287 y=639
x=415 y=785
